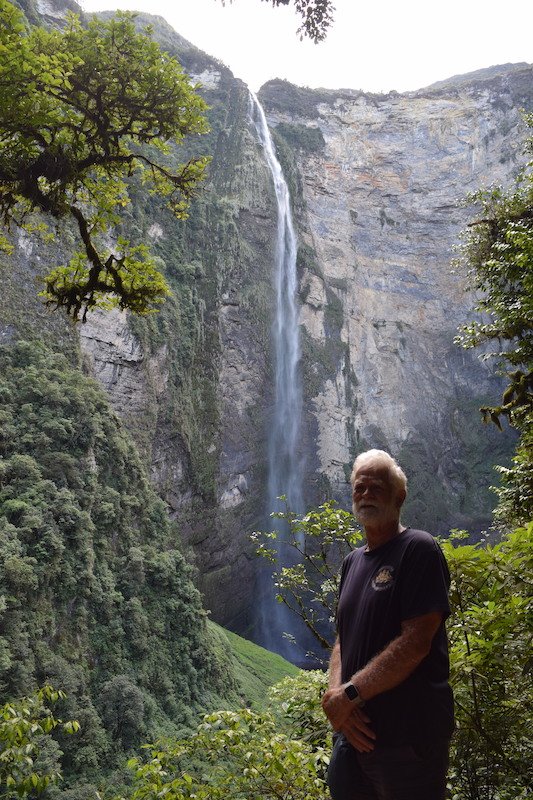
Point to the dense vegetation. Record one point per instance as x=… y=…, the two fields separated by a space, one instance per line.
x=96 y=597
x=490 y=632
x=30 y=762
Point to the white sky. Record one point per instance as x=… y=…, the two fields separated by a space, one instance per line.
x=375 y=45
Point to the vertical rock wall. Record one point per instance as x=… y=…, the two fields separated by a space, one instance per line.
x=378 y=180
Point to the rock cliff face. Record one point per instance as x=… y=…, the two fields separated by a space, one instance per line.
x=375 y=181
x=193 y=383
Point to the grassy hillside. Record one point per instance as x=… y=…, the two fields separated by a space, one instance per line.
x=255 y=668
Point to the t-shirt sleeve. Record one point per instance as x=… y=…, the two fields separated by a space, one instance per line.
x=425 y=581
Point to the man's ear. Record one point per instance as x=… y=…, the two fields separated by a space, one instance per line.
x=400 y=498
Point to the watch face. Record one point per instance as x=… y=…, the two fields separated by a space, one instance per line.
x=351 y=691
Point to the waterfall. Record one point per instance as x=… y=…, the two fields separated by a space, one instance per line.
x=284 y=464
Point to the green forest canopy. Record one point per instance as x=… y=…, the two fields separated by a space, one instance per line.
x=83 y=112
x=97 y=598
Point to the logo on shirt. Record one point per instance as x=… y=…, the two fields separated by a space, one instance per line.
x=383 y=579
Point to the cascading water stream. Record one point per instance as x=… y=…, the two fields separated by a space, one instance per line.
x=284 y=463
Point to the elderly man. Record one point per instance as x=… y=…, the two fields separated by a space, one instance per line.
x=389 y=699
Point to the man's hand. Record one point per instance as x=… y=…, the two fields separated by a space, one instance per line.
x=337 y=706
x=348 y=719
x=357 y=731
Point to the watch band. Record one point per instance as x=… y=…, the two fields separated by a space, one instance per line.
x=353 y=695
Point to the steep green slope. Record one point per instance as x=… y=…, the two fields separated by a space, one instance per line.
x=255 y=668
x=96 y=595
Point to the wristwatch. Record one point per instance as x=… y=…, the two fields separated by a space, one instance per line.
x=352 y=694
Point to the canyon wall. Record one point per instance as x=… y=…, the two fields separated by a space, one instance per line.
x=375 y=183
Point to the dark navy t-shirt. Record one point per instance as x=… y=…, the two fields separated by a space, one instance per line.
x=404 y=578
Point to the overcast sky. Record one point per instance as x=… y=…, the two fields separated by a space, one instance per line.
x=375 y=45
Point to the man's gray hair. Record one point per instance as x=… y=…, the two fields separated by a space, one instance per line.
x=384 y=459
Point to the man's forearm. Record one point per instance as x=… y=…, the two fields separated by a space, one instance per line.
x=335 y=669
x=399 y=658
x=345 y=717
